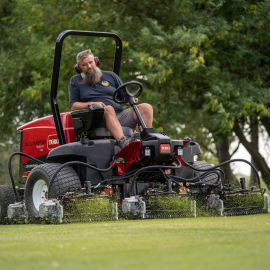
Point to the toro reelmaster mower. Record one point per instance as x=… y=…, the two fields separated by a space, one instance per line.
x=73 y=170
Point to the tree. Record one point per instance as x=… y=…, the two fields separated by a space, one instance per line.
x=194 y=58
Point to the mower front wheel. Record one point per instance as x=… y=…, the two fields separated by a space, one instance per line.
x=36 y=189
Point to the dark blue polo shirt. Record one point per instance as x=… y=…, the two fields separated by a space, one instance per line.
x=102 y=91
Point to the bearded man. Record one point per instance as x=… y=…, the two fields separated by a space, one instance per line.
x=97 y=86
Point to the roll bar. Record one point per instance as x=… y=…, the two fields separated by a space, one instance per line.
x=56 y=69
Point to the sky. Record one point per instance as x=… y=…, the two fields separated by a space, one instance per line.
x=264 y=149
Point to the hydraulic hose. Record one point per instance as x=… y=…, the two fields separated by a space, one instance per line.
x=127 y=175
x=226 y=162
x=196 y=179
x=152 y=167
x=135 y=173
x=192 y=180
x=10 y=172
x=80 y=163
x=176 y=179
x=169 y=177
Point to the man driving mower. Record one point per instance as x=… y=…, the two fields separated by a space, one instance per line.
x=93 y=85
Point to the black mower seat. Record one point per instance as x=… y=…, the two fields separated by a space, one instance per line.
x=86 y=122
x=102 y=132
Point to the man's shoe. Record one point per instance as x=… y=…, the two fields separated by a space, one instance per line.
x=135 y=136
x=124 y=141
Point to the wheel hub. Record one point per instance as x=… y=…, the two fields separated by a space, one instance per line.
x=40 y=193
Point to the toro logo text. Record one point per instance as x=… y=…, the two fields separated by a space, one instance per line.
x=52 y=141
x=165 y=148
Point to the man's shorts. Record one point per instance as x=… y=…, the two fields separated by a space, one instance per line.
x=125 y=118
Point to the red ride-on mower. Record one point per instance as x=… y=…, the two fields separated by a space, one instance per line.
x=74 y=170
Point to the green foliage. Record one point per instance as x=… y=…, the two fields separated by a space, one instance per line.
x=6 y=151
x=195 y=58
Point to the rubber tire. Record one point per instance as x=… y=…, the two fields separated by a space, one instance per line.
x=209 y=179
x=7 y=197
x=67 y=178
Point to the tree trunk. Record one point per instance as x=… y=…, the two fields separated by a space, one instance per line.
x=257 y=157
x=266 y=123
x=254 y=134
x=224 y=155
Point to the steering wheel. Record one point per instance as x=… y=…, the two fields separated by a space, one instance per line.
x=127 y=93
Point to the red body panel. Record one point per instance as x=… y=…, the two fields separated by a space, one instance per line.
x=40 y=136
x=130 y=154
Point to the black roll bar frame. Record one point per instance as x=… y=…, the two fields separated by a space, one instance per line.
x=56 y=69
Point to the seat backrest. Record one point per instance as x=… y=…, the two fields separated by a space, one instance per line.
x=87 y=119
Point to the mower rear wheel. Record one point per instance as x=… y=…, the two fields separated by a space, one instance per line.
x=7 y=197
x=210 y=178
x=36 y=189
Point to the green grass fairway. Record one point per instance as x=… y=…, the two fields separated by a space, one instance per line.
x=216 y=243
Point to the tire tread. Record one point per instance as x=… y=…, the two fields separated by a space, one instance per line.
x=209 y=179
x=7 y=197
x=66 y=179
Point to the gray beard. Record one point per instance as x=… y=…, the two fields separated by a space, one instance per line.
x=92 y=78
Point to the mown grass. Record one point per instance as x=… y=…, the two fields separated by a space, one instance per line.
x=241 y=242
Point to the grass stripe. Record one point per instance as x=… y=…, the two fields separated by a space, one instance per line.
x=241 y=242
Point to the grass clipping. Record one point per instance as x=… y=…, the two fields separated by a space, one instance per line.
x=166 y=206
x=245 y=204
x=170 y=207
x=96 y=209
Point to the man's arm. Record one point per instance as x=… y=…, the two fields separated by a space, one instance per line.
x=74 y=96
x=83 y=105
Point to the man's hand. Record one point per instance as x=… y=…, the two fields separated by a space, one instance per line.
x=136 y=100
x=99 y=103
x=84 y=105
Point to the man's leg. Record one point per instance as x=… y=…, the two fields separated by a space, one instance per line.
x=112 y=123
x=114 y=126
x=146 y=112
